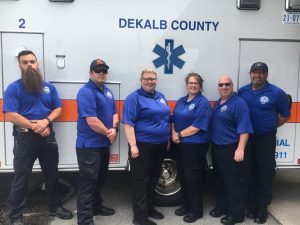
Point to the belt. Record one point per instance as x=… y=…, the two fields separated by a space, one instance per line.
x=21 y=129
x=26 y=130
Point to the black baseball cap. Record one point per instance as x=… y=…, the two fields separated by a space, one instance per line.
x=98 y=63
x=259 y=66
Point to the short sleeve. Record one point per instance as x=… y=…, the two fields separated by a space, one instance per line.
x=131 y=110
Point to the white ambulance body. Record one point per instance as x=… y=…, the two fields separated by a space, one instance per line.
x=175 y=37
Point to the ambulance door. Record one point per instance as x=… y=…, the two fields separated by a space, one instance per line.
x=12 y=44
x=66 y=127
x=282 y=58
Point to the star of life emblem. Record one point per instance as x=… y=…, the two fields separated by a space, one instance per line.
x=168 y=56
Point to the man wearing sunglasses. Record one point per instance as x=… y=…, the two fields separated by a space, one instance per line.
x=97 y=129
x=269 y=109
x=230 y=128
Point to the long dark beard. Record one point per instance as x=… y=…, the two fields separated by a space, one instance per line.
x=32 y=80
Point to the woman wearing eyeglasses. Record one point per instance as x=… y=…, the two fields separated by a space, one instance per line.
x=146 y=119
x=230 y=128
x=190 y=133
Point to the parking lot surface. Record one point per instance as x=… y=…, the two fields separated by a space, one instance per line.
x=117 y=194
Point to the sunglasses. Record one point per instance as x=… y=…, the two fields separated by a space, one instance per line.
x=100 y=70
x=224 y=84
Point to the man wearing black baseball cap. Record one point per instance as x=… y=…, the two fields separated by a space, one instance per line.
x=259 y=66
x=97 y=129
x=269 y=109
x=97 y=64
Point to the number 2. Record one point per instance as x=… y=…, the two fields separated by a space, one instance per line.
x=284 y=18
x=22 y=23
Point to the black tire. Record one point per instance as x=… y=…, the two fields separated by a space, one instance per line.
x=168 y=190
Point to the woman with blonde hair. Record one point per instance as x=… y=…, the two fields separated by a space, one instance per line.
x=146 y=119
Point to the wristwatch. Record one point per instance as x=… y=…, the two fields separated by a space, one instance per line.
x=49 y=120
x=117 y=129
x=179 y=135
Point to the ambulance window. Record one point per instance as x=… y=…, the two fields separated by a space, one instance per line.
x=292 y=5
x=248 y=4
x=61 y=0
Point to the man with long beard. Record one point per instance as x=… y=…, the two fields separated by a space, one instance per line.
x=31 y=105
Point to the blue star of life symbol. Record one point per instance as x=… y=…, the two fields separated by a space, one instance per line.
x=168 y=56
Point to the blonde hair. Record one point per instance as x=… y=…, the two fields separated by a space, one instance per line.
x=148 y=70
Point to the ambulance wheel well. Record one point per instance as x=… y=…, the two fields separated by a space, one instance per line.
x=168 y=191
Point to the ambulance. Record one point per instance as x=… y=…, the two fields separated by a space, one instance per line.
x=174 y=37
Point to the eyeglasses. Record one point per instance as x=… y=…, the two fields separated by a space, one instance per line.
x=100 y=70
x=224 y=84
x=193 y=83
x=149 y=79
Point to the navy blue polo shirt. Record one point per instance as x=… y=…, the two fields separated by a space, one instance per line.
x=149 y=115
x=229 y=120
x=93 y=102
x=32 y=106
x=196 y=113
x=265 y=104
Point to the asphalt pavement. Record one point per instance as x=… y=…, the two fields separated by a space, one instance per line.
x=117 y=194
x=285 y=208
x=286 y=197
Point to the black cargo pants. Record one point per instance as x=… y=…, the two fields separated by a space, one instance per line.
x=29 y=146
x=93 y=167
x=231 y=180
x=263 y=166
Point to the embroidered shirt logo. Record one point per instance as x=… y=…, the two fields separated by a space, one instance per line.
x=46 y=90
x=163 y=101
x=191 y=106
x=264 y=99
x=108 y=94
x=223 y=108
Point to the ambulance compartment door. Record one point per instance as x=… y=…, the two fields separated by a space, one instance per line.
x=282 y=58
x=12 y=44
x=66 y=127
